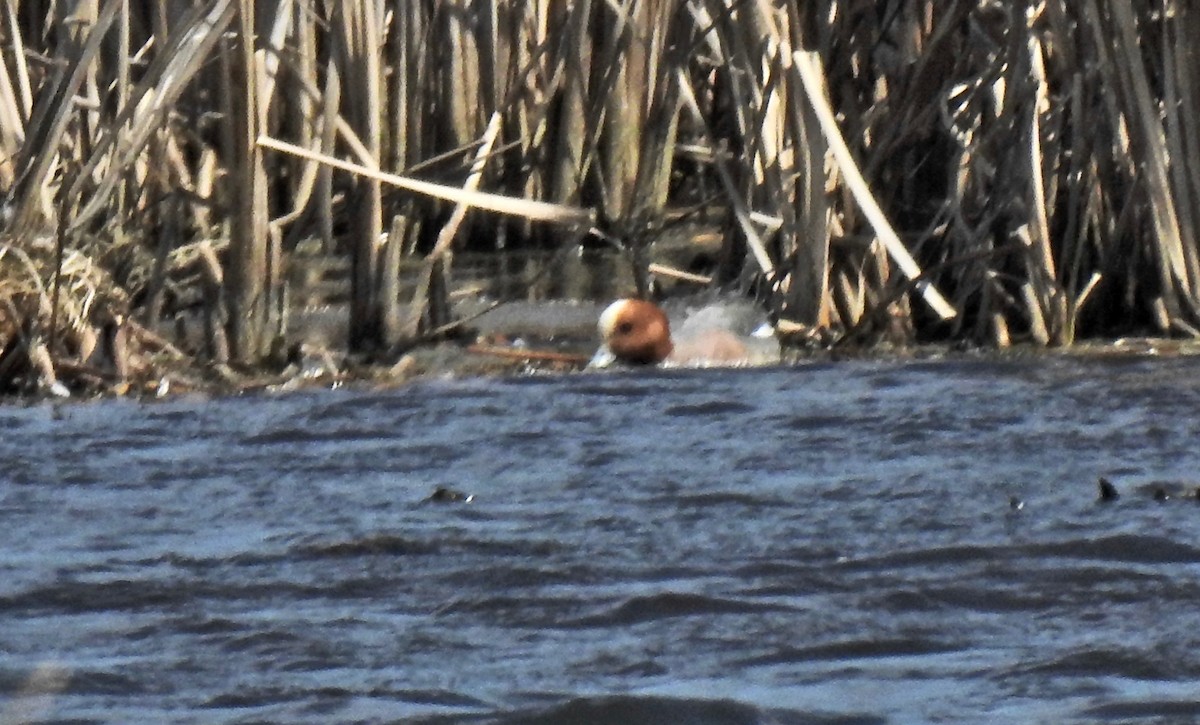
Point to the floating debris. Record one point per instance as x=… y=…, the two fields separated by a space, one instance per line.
x=1108 y=492
x=441 y=494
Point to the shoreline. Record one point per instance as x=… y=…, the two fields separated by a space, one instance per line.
x=324 y=369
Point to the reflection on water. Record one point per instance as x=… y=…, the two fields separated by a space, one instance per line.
x=828 y=543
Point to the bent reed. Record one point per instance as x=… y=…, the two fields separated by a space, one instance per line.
x=918 y=170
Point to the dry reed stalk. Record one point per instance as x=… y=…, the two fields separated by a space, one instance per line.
x=1177 y=263
x=790 y=168
x=534 y=210
x=121 y=87
x=12 y=125
x=850 y=299
x=640 y=122
x=358 y=42
x=808 y=234
x=121 y=142
x=329 y=116
x=402 y=58
x=1047 y=323
x=437 y=258
x=619 y=88
x=663 y=270
x=544 y=356
x=1040 y=227
x=1182 y=131
x=1079 y=195
x=216 y=308
x=461 y=68
x=413 y=57
x=1036 y=307
x=566 y=59
x=403 y=49
x=24 y=87
x=1184 y=87
x=1000 y=335
x=44 y=137
x=252 y=277
x=307 y=121
x=639 y=110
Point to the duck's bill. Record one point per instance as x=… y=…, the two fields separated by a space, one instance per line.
x=602 y=359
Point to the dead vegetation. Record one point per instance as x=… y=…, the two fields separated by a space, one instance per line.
x=909 y=170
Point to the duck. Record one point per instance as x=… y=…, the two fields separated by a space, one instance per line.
x=717 y=333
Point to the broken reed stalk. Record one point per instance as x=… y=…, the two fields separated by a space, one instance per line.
x=808 y=65
x=534 y=210
x=663 y=270
x=436 y=259
x=545 y=356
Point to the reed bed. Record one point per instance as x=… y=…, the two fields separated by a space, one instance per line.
x=916 y=170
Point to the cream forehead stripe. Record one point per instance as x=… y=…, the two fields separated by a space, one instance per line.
x=608 y=318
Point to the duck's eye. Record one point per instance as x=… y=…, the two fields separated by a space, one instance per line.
x=624 y=328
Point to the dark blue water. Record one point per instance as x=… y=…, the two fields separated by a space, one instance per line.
x=832 y=543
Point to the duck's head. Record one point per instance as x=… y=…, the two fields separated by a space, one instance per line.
x=636 y=332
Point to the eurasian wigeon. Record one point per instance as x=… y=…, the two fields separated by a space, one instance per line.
x=638 y=332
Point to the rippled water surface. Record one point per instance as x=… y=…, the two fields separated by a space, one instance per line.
x=832 y=543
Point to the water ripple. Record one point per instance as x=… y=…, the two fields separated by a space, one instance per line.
x=651 y=546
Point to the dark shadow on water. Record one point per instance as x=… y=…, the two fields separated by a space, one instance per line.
x=649 y=710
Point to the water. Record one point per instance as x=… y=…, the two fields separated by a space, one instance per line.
x=832 y=543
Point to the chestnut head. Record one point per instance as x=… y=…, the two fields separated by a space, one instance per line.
x=636 y=332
